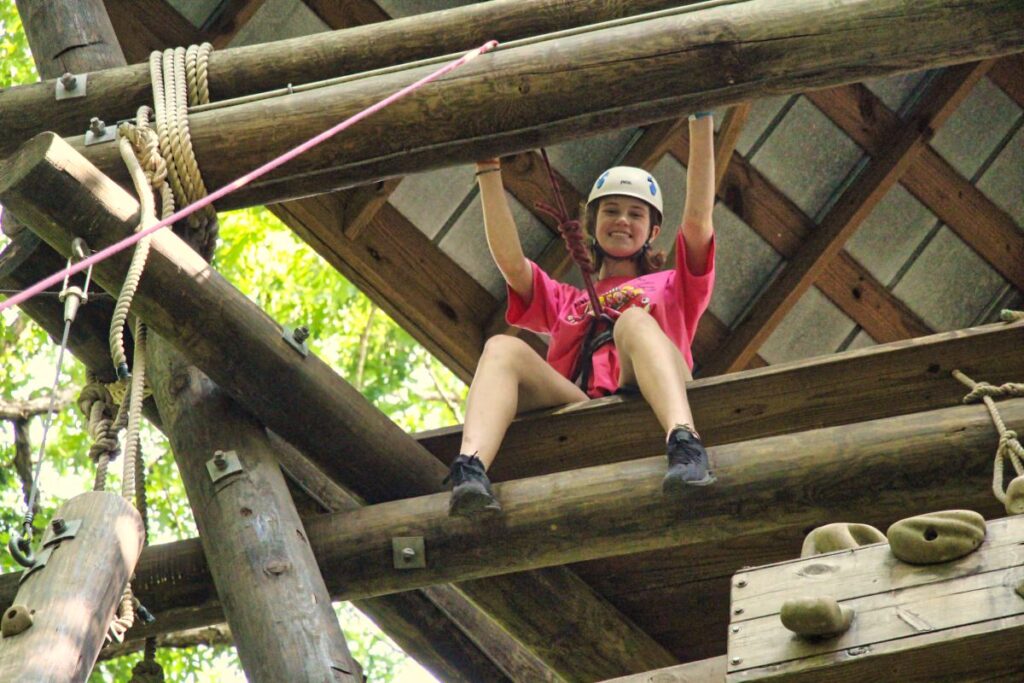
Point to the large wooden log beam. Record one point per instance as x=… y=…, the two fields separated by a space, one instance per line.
x=517 y=99
x=116 y=93
x=881 y=469
x=183 y=299
x=274 y=597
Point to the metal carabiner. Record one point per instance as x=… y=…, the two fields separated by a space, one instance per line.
x=21 y=549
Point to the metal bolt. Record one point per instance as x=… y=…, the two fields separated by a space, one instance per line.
x=218 y=460
x=97 y=127
x=738 y=610
x=735 y=660
x=408 y=554
x=742 y=583
x=68 y=80
x=300 y=334
x=735 y=629
x=59 y=525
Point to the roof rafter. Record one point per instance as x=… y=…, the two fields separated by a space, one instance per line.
x=846 y=215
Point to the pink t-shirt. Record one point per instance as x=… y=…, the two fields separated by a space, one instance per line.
x=675 y=298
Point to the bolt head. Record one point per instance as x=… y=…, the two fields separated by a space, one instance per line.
x=742 y=583
x=68 y=80
x=735 y=629
x=735 y=660
x=97 y=126
x=59 y=525
x=408 y=553
x=218 y=460
x=300 y=334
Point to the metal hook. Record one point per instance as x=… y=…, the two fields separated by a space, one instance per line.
x=21 y=549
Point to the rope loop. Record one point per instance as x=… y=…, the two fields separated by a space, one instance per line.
x=984 y=389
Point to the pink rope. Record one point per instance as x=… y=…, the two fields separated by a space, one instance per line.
x=242 y=181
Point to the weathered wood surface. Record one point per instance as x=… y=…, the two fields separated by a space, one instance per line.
x=703 y=671
x=73 y=597
x=883 y=469
x=885 y=380
x=268 y=581
x=184 y=300
x=525 y=97
x=917 y=623
x=67 y=36
x=116 y=93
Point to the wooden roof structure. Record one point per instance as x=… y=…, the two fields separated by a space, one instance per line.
x=861 y=227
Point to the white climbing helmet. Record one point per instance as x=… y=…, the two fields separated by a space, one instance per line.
x=629 y=181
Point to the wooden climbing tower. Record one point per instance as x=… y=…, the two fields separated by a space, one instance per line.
x=607 y=579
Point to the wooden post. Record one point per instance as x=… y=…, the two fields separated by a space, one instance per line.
x=72 y=597
x=273 y=595
x=528 y=96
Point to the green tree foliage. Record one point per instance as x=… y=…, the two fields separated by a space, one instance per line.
x=284 y=277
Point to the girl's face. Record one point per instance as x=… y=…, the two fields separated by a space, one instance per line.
x=623 y=224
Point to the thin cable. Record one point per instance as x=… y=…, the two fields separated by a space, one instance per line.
x=244 y=180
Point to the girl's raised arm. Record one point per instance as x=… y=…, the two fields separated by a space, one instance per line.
x=700 y=193
x=502 y=235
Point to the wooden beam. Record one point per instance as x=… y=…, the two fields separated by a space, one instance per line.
x=253 y=539
x=1008 y=74
x=340 y=14
x=884 y=380
x=545 y=108
x=704 y=671
x=228 y=19
x=982 y=225
x=782 y=224
x=357 y=444
x=886 y=467
x=69 y=36
x=849 y=211
x=143 y=24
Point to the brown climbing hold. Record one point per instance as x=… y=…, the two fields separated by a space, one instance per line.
x=16 y=620
x=815 y=617
x=1015 y=497
x=936 y=537
x=839 y=536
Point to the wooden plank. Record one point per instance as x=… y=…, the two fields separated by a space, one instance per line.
x=885 y=380
x=846 y=215
x=772 y=46
x=728 y=135
x=258 y=566
x=359 y=445
x=703 y=671
x=1008 y=74
x=985 y=227
x=69 y=36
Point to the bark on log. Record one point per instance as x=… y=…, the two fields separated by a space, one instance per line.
x=529 y=96
x=883 y=468
x=116 y=93
x=270 y=586
x=73 y=596
x=362 y=448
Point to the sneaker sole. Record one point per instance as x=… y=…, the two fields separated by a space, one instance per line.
x=674 y=485
x=470 y=503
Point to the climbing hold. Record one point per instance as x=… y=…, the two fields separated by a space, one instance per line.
x=936 y=537
x=147 y=671
x=815 y=617
x=840 y=536
x=1015 y=496
x=16 y=620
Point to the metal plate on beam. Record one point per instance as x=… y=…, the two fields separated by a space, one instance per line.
x=222 y=465
x=42 y=557
x=68 y=531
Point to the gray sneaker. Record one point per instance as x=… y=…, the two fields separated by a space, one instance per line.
x=471 y=489
x=687 y=462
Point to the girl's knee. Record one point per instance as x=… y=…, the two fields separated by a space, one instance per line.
x=632 y=320
x=505 y=347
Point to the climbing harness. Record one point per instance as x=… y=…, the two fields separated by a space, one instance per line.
x=1009 y=444
x=20 y=544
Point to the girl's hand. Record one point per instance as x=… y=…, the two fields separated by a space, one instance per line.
x=488 y=165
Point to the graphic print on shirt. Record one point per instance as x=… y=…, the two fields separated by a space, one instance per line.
x=617 y=299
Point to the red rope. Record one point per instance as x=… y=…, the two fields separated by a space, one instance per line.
x=572 y=232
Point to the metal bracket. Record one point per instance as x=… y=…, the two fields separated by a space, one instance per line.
x=409 y=552
x=223 y=464
x=42 y=557
x=68 y=531
x=99 y=132
x=70 y=86
x=296 y=338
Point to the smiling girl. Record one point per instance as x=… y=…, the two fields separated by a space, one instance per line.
x=655 y=314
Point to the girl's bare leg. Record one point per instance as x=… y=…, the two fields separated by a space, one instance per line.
x=510 y=378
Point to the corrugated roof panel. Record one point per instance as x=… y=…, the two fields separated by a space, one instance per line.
x=948 y=285
x=1003 y=182
x=891 y=233
x=428 y=199
x=466 y=243
x=975 y=128
x=743 y=262
x=815 y=327
x=894 y=90
x=278 y=20
x=807 y=156
x=762 y=113
x=583 y=160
